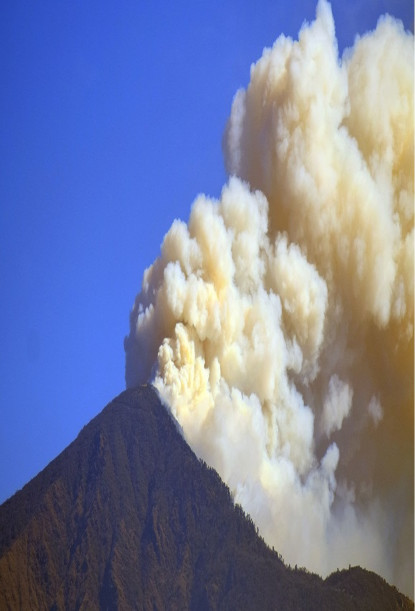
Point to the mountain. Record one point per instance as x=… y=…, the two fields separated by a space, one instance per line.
x=127 y=517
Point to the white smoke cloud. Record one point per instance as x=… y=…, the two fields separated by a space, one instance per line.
x=337 y=405
x=278 y=323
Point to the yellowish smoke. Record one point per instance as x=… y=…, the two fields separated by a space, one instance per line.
x=278 y=324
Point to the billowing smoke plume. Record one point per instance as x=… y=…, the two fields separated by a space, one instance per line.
x=278 y=324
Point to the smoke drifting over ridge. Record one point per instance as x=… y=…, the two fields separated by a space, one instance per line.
x=278 y=324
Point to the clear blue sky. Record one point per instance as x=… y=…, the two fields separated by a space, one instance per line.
x=111 y=123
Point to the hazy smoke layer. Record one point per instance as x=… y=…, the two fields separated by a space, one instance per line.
x=278 y=324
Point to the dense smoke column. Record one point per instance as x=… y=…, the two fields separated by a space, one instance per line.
x=278 y=324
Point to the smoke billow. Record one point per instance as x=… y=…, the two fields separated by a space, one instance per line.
x=278 y=323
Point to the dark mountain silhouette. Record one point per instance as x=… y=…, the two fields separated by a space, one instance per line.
x=128 y=518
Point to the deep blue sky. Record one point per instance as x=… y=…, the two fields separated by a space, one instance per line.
x=111 y=123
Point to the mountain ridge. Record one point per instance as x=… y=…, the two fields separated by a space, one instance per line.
x=127 y=517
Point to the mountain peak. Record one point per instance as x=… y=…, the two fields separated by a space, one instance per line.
x=127 y=517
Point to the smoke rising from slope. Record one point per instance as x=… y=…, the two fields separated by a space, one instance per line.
x=278 y=323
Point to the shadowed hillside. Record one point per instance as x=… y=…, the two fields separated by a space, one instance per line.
x=128 y=518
